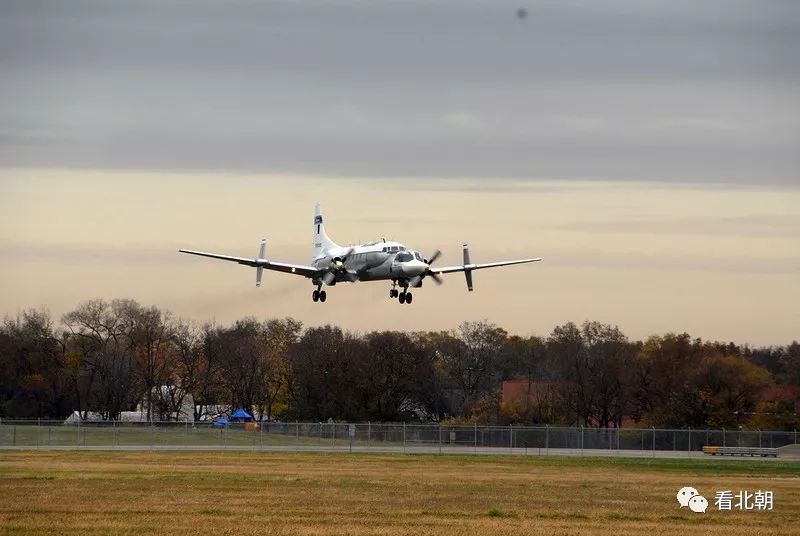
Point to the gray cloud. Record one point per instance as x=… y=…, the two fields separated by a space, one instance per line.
x=620 y=89
x=763 y=225
x=591 y=258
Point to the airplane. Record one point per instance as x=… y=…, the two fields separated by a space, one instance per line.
x=381 y=260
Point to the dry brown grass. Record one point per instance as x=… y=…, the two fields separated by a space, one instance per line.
x=252 y=493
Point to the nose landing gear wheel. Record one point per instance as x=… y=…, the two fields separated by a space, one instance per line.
x=322 y=295
x=393 y=293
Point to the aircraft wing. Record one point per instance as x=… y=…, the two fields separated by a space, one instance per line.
x=299 y=269
x=470 y=267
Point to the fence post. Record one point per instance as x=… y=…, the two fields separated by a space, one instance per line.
x=795 y=436
x=440 y=438
x=654 y=441
x=14 y=436
x=296 y=435
x=369 y=436
x=475 y=437
x=689 y=444
x=547 y=440
x=404 y=437
x=510 y=439
x=333 y=434
x=723 y=437
x=617 y=428
x=759 y=438
x=38 y=431
x=581 y=440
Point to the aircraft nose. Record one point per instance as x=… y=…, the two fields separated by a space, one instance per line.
x=415 y=267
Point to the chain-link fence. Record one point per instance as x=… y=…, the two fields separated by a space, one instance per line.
x=383 y=437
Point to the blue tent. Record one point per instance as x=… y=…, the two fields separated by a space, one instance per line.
x=241 y=415
x=222 y=421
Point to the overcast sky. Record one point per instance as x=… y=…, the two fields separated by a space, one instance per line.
x=648 y=150
x=617 y=89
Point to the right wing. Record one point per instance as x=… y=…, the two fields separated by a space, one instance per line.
x=298 y=269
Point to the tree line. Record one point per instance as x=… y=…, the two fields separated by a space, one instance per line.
x=113 y=356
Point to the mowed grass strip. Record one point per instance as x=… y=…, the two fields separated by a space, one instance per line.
x=310 y=493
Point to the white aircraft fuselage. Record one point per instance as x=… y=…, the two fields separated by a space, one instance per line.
x=376 y=261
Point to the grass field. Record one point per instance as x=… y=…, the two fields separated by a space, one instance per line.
x=289 y=493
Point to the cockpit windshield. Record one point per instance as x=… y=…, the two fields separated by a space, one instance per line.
x=417 y=256
x=404 y=256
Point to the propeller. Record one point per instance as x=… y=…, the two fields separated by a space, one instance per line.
x=417 y=279
x=337 y=267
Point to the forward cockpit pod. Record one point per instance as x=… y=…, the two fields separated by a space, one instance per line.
x=410 y=264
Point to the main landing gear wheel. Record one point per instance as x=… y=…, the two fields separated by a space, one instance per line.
x=408 y=297
x=405 y=297
x=319 y=295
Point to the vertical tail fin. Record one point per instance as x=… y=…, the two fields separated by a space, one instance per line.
x=322 y=242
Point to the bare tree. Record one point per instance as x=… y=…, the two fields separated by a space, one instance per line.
x=105 y=339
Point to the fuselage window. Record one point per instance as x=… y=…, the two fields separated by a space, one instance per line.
x=417 y=256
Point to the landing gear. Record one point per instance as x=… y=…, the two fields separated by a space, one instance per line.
x=319 y=295
x=405 y=297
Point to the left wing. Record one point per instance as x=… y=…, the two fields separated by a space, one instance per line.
x=299 y=269
x=470 y=267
